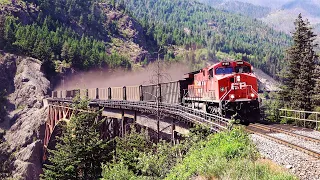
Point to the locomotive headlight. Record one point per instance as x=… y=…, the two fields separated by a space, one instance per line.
x=232 y=96
x=222 y=89
x=252 y=95
x=238 y=79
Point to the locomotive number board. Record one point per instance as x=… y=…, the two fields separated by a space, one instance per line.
x=225 y=63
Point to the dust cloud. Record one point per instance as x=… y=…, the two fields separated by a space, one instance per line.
x=103 y=78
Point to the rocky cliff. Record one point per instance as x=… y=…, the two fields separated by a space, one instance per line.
x=26 y=87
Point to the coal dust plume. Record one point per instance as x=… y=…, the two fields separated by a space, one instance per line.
x=103 y=78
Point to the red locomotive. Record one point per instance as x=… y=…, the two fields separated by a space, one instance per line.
x=224 y=88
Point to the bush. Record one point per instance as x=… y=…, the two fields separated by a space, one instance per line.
x=227 y=155
x=117 y=171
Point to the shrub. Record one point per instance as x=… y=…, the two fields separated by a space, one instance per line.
x=227 y=155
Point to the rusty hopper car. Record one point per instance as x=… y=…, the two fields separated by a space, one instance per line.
x=171 y=92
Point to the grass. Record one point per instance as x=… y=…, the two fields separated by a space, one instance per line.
x=228 y=155
x=5 y=2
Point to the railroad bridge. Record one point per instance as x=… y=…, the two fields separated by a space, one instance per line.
x=164 y=118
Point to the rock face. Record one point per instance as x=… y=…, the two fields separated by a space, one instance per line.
x=130 y=40
x=26 y=86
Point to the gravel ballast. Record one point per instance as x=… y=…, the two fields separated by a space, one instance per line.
x=312 y=134
x=302 y=165
x=297 y=141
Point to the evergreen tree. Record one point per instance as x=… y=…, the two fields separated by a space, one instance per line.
x=299 y=81
x=81 y=150
x=2 y=24
x=129 y=147
x=9 y=33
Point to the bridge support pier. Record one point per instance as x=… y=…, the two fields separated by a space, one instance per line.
x=173 y=128
x=123 y=124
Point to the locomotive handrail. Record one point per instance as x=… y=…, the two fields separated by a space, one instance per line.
x=226 y=94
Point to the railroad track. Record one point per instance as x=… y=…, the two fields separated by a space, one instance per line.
x=263 y=131
x=290 y=133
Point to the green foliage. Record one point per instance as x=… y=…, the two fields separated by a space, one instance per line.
x=195 y=25
x=55 y=35
x=271 y=110
x=136 y=157
x=117 y=171
x=224 y=155
x=227 y=155
x=77 y=13
x=80 y=151
x=158 y=164
x=60 y=44
x=129 y=148
x=300 y=79
x=2 y=26
x=238 y=7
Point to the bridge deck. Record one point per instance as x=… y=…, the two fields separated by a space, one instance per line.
x=215 y=122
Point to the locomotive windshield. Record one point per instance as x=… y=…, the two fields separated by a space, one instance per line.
x=224 y=70
x=243 y=69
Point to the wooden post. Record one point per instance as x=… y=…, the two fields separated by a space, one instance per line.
x=114 y=127
x=135 y=117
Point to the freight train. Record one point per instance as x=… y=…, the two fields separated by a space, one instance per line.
x=225 y=88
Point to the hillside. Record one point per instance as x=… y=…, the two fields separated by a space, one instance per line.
x=312 y=7
x=182 y=22
x=80 y=34
x=239 y=7
x=274 y=4
x=279 y=15
x=283 y=20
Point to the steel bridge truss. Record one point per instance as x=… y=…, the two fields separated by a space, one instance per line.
x=60 y=109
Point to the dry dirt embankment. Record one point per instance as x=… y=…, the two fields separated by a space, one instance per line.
x=26 y=88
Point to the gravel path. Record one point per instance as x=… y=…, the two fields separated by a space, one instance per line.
x=313 y=134
x=303 y=143
x=298 y=163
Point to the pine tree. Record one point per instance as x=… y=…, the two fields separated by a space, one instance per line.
x=2 y=24
x=129 y=147
x=299 y=81
x=9 y=33
x=81 y=150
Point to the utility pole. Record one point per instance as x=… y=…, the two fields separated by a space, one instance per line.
x=158 y=96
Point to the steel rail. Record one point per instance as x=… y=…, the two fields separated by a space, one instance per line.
x=286 y=143
x=215 y=122
x=275 y=129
